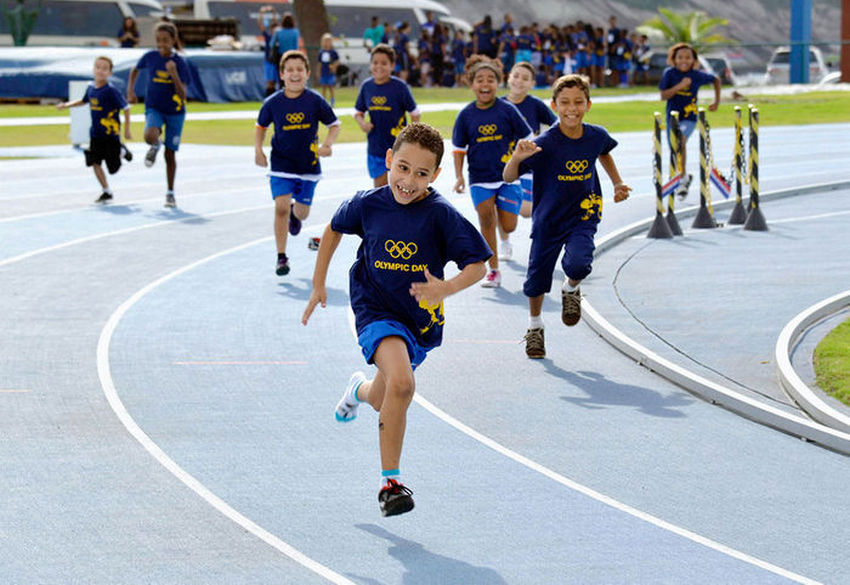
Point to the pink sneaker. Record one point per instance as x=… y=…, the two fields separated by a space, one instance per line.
x=492 y=280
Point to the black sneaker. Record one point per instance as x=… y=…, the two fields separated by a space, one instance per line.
x=395 y=499
x=282 y=266
x=313 y=244
x=128 y=156
x=170 y=201
x=534 y=345
x=294 y=222
x=104 y=198
x=571 y=307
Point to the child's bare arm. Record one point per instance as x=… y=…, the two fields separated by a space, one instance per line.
x=127 y=134
x=415 y=117
x=621 y=190
x=360 y=118
x=327 y=247
x=666 y=94
x=434 y=290
x=259 y=138
x=713 y=107
x=325 y=149
x=73 y=104
x=179 y=86
x=131 y=84
x=460 y=183
x=524 y=149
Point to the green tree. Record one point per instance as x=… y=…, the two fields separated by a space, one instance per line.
x=695 y=28
x=21 y=20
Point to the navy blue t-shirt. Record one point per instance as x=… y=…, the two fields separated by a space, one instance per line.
x=566 y=185
x=535 y=111
x=160 y=94
x=685 y=101
x=326 y=58
x=105 y=103
x=399 y=242
x=295 y=145
x=387 y=105
x=488 y=137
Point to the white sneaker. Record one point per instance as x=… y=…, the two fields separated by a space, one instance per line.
x=150 y=157
x=346 y=408
x=507 y=250
x=492 y=280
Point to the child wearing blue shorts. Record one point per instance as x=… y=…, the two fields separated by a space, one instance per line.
x=537 y=114
x=567 y=202
x=387 y=99
x=679 y=87
x=295 y=112
x=486 y=131
x=409 y=232
x=165 y=100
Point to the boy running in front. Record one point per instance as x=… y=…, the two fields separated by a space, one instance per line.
x=409 y=232
x=567 y=202
x=295 y=112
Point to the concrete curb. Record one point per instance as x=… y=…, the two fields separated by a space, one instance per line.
x=702 y=387
x=808 y=399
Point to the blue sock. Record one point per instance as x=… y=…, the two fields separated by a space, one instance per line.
x=390 y=474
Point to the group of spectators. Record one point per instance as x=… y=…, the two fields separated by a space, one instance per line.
x=608 y=57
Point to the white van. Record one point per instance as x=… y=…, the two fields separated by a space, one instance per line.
x=347 y=20
x=779 y=66
x=86 y=22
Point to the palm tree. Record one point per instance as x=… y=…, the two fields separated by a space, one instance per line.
x=695 y=28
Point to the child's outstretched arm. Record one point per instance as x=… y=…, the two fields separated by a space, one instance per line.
x=127 y=134
x=434 y=290
x=524 y=149
x=327 y=247
x=259 y=156
x=131 y=86
x=73 y=104
x=621 y=190
x=460 y=183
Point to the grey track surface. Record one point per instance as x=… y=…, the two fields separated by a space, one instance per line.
x=581 y=468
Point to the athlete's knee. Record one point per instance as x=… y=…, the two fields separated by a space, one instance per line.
x=401 y=386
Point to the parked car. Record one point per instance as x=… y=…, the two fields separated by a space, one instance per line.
x=779 y=66
x=657 y=61
x=722 y=68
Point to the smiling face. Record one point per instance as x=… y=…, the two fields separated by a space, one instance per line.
x=571 y=105
x=164 y=42
x=520 y=82
x=294 y=74
x=683 y=60
x=412 y=169
x=485 y=84
x=381 y=67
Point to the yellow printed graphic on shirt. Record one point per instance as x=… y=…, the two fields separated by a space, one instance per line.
x=314 y=148
x=176 y=99
x=488 y=133
x=592 y=206
x=296 y=121
x=110 y=122
x=436 y=313
x=94 y=104
x=507 y=156
x=400 y=253
x=577 y=170
x=402 y=122
x=379 y=102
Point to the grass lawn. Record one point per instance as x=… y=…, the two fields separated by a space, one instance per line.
x=832 y=363
x=807 y=108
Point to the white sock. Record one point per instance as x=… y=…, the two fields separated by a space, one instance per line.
x=108 y=191
x=535 y=322
x=567 y=287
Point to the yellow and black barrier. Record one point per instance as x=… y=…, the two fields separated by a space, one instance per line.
x=660 y=229
x=705 y=215
x=676 y=170
x=755 y=218
x=739 y=213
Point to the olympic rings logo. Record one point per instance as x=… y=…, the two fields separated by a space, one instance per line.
x=576 y=166
x=401 y=249
x=295 y=118
x=379 y=100
x=487 y=129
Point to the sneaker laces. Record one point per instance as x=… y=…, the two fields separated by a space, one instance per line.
x=533 y=338
x=572 y=301
x=395 y=488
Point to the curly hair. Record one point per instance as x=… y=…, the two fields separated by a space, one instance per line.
x=422 y=135
x=478 y=62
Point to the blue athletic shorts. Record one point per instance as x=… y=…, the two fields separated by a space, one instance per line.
x=327 y=79
x=300 y=189
x=373 y=333
x=577 y=261
x=270 y=72
x=173 y=126
x=377 y=165
x=526 y=184
x=686 y=126
x=508 y=196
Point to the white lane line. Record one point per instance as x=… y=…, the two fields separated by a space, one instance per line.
x=239 y=363
x=108 y=385
x=591 y=493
